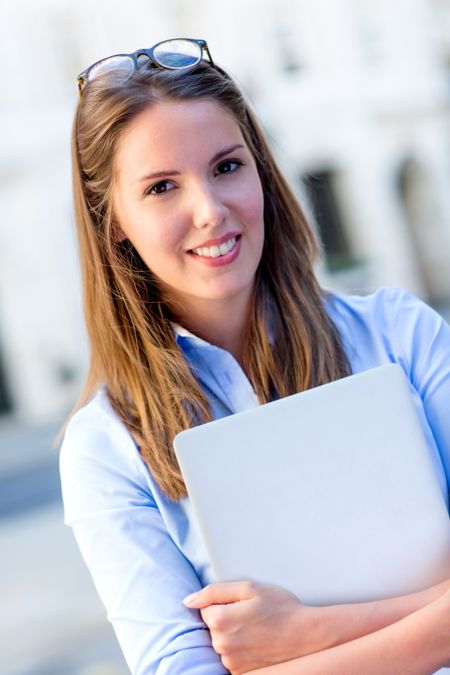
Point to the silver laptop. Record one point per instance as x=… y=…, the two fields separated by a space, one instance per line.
x=330 y=493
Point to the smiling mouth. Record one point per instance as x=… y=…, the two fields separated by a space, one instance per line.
x=217 y=251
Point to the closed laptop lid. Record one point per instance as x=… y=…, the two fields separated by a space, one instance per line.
x=330 y=493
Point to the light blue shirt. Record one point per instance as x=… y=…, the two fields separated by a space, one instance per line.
x=144 y=552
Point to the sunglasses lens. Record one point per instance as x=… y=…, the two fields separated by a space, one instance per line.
x=121 y=65
x=177 y=54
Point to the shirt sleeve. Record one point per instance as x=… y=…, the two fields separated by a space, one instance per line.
x=424 y=347
x=139 y=572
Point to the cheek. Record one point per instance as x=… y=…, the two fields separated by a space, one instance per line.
x=253 y=207
x=156 y=238
x=158 y=247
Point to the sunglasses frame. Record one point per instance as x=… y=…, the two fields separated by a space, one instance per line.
x=83 y=77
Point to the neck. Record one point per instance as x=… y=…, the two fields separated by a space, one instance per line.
x=220 y=323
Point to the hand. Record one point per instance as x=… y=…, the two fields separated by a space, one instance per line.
x=253 y=625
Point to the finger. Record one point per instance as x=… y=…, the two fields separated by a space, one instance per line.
x=221 y=594
x=215 y=617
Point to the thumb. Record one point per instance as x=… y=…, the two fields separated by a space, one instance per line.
x=221 y=594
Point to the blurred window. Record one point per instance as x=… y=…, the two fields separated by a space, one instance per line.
x=5 y=400
x=287 y=51
x=321 y=193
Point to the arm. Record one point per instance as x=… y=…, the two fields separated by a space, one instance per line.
x=423 y=344
x=351 y=621
x=244 y=617
x=417 y=645
x=140 y=574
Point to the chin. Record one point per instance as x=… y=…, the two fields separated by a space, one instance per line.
x=230 y=292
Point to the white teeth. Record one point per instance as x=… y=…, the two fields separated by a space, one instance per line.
x=216 y=251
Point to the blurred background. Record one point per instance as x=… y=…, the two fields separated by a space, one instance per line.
x=355 y=98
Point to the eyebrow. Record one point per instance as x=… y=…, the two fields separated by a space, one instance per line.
x=217 y=156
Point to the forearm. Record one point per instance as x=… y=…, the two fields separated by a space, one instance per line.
x=337 y=624
x=418 y=644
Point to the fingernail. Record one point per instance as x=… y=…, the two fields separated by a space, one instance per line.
x=189 y=599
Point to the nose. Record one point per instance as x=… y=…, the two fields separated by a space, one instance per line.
x=208 y=207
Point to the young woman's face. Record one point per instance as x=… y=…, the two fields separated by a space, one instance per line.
x=189 y=198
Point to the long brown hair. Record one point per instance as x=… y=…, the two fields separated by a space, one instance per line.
x=291 y=343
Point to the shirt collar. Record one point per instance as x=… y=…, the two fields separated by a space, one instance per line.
x=182 y=332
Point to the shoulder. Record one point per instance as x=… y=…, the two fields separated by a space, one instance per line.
x=96 y=417
x=383 y=307
x=377 y=305
x=98 y=458
x=392 y=318
x=93 y=426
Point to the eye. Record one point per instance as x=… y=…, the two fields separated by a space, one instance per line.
x=229 y=166
x=159 y=188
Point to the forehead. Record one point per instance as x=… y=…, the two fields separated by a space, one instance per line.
x=169 y=133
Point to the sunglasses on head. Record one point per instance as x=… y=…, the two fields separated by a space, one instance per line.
x=173 y=54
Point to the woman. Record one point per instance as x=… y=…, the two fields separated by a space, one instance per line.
x=201 y=301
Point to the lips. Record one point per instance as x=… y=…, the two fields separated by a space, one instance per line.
x=218 y=260
x=217 y=241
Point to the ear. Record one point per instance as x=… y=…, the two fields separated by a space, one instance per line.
x=117 y=234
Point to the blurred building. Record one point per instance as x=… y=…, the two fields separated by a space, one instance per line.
x=354 y=96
